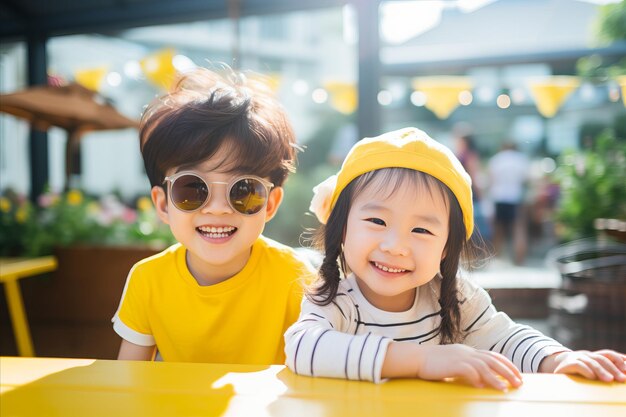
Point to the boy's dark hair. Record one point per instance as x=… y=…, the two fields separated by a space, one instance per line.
x=206 y=110
x=329 y=238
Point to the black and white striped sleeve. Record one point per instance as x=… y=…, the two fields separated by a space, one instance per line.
x=316 y=345
x=488 y=329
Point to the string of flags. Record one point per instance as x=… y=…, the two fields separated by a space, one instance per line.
x=439 y=94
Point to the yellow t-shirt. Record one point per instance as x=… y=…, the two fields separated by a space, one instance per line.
x=240 y=320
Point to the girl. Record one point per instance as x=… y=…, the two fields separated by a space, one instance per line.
x=396 y=219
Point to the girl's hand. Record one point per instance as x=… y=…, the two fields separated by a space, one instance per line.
x=605 y=365
x=480 y=367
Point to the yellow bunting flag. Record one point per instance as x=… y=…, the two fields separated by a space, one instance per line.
x=159 y=69
x=550 y=93
x=621 y=80
x=91 y=78
x=343 y=96
x=442 y=93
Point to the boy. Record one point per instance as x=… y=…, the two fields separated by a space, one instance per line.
x=217 y=152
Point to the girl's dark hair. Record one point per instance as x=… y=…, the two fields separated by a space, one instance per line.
x=329 y=237
x=206 y=110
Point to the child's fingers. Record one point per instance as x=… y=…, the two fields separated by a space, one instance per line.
x=491 y=379
x=486 y=375
x=609 y=352
x=505 y=369
x=471 y=374
x=577 y=367
x=507 y=363
x=597 y=367
x=619 y=359
x=609 y=367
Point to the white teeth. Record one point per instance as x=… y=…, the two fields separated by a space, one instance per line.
x=217 y=232
x=216 y=235
x=387 y=269
x=225 y=229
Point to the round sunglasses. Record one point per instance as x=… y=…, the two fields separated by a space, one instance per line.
x=246 y=194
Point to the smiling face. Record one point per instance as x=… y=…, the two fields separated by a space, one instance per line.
x=218 y=239
x=395 y=237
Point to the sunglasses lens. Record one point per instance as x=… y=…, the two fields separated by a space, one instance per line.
x=189 y=192
x=248 y=196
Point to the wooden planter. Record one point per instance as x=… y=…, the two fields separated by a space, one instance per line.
x=70 y=310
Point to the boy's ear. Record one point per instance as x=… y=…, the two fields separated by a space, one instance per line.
x=159 y=199
x=273 y=202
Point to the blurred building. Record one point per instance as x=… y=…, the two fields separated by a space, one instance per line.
x=312 y=58
x=502 y=47
x=297 y=58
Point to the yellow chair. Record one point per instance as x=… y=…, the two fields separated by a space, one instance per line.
x=11 y=270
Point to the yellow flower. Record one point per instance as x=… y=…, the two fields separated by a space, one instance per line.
x=93 y=208
x=5 y=205
x=144 y=204
x=21 y=215
x=74 y=197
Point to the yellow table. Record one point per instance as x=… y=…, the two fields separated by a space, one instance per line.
x=11 y=270
x=87 y=387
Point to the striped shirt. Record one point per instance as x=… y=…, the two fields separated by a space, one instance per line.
x=349 y=337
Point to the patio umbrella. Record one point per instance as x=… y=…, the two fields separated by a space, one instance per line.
x=71 y=107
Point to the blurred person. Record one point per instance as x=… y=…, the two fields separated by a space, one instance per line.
x=465 y=151
x=541 y=209
x=508 y=175
x=217 y=150
x=390 y=301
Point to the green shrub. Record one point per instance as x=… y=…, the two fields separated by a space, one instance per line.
x=593 y=185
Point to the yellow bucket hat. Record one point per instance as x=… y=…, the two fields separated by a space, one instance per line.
x=405 y=148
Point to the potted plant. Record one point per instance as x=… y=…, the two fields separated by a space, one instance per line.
x=16 y=213
x=96 y=241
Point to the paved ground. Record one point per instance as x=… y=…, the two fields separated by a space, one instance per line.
x=536 y=271
x=501 y=273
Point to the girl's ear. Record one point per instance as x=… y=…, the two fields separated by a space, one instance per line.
x=159 y=199
x=273 y=202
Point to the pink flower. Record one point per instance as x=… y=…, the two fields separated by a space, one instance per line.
x=47 y=200
x=129 y=215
